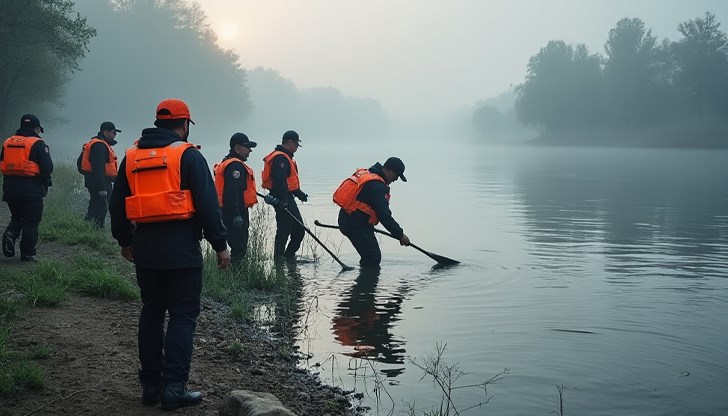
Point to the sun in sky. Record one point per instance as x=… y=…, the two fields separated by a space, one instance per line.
x=228 y=31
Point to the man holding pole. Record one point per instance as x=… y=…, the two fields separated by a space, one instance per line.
x=280 y=177
x=364 y=202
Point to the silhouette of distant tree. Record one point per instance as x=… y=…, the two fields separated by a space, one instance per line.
x=41 y=43
x=702 y=58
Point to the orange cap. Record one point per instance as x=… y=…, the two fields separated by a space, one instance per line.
x=172 y=109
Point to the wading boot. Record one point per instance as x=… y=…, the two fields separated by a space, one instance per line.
x=151 y=394
x=176 y=395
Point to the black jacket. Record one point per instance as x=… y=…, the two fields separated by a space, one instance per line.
x=21 y=188
x=97 y=180
x=170 y=244
x=280 y=170
x=372 y=194
x=235 y=185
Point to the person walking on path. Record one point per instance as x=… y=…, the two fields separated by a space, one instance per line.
x=236 y=193
x=162 y=204
x=280 y=177
x=98 y=165
x=26 y=165
x=364 y=202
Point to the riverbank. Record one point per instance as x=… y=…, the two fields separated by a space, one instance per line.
x=709 y=136
x=68 y=332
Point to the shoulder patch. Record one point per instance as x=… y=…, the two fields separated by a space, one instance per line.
x=236 y=174
x=46 y=149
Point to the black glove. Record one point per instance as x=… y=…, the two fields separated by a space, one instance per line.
x=238 y=223
x=271 y=200
x=303 y=197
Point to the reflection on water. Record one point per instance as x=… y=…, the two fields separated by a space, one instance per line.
x=657 y=212
x=364 y=322
x=603 y=270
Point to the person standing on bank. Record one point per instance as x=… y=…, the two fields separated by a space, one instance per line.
x=364 y=202
x=26 y=165
x=236 y=193
x=163 y=200
x=98 y=165
x=280 y=177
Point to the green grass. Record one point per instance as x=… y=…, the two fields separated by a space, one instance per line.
x=49 y=283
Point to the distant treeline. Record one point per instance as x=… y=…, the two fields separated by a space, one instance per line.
x=638 y=85
x=75 y=64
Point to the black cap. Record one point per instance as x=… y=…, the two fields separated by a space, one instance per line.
x=396 y=165
x=107 y=125
x=291 y=135
x=241 y=139
x=29 y=120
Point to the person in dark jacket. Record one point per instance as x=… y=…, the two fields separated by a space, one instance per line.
x=24 y=191
x=280 y=176
x=356 y=226
x=167 y=254
x=237 y=193
x=99 y=180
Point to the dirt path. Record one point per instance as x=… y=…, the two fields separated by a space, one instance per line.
x=93 y=364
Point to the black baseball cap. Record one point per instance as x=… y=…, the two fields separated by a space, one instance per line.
x=241 y=139
x=107 y=125
x=396 y=165
x=31 y=121
x=291 y=135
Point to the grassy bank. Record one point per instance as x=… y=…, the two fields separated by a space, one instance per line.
x=76 y=258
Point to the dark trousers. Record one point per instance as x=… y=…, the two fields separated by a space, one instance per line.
x=166 y=356
x=25 y=217
x=98 y=206
x=362 y=238
x=237 y=239
x=286 y=227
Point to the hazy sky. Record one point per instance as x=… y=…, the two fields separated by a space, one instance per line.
x=421 y=57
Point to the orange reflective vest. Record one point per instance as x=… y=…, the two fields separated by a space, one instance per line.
x=110 y=167
x=16 y=157
x=155 y=182
x=292 y=180
x=346 y=194
x=249 y=196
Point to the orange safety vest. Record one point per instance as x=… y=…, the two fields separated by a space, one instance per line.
x=250 y=198
x=345 y=195
x=155 y=182
x=110 y=167
x=292 y=180
x=16 y=157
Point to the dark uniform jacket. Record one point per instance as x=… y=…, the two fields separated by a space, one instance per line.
x=23 y=188
x=280 y=170
x=97 y=180
x=170 y=244
x=232 y=193
x=372 y=194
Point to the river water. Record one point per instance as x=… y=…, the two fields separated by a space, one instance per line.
x=602 y=271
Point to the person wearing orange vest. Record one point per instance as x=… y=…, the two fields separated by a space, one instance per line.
x=163 y=203
x=98 y=165
x=280 y=177
x=236 y=193
x=364 y=202
x=26 y=165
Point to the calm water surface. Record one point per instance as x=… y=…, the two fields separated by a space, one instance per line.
x=603 y=270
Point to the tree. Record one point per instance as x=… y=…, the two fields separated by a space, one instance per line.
x=41 y=43
x=146 y=51
x=561 y=88
x=630 y=72
x=701 y=57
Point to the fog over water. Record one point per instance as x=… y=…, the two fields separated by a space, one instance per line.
x=331 y=70
x=600 y=267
